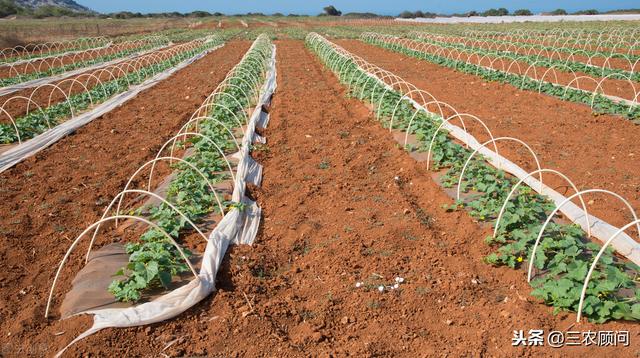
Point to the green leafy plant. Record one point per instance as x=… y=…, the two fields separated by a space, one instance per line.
x=564 y=254
x=37 y=122
x=55 y=70
x=154 y=260
x=601 y=104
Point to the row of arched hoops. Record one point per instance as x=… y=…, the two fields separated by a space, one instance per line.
x=252 y=66
x=338 y=60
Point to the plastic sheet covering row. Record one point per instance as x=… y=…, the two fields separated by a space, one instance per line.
x=237 y=227
x=600 y=229
x=22 y=151
x=40 y=81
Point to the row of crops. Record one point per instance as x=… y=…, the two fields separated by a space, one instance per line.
x=24 y=71
x=39 y=67
x=547 y=48
x=578 y=88
x=35 y=115
x=211 y=133
x=29 y=51
x=209 y=141
x=565 y=269
x=32 y=51
x=611 y=39
x=594 y=63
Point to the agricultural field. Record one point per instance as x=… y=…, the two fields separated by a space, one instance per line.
x=283 y=186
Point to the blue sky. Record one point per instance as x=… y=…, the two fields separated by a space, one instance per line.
x=385 y=7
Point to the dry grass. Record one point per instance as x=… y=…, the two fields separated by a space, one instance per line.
x=22 y=31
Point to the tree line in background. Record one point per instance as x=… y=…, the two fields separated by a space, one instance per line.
x=504 y=12
x=491 y=12
x=9 y=7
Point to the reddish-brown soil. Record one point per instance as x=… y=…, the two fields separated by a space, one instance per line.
x=43 y=65
x=594 y=47
x=516 y=47
x=343 y=204
x=7 y=54
x=45 y=96
x=594 y=151
x=560 y=76
x=49 y=199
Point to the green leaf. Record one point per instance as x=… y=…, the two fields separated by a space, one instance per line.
x=152 y=270
x=165 y=278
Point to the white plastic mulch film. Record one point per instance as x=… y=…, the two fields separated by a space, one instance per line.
x=28 y=148
x=507 y=62
x=40 y=81
x=237 y=227
x=610 y=235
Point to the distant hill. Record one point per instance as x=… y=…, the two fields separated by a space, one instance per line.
x=65 y=4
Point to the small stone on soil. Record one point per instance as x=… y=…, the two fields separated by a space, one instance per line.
x=317 y=337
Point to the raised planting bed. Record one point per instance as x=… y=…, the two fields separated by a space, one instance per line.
x=189 y=197
x=572 y=272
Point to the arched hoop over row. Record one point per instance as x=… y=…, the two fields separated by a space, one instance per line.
x=494 y=140
x=636 y=222
x=558 y=207
x=97 y=223
x=147 y=193
x=515 y=187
